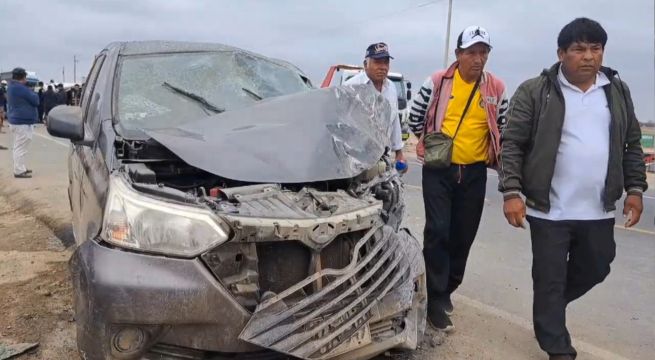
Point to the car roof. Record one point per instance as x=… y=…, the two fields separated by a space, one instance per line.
x=127 y=48
x=157 y=46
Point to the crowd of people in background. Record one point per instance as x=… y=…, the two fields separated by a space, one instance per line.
x=53 y=94
x=50 y=95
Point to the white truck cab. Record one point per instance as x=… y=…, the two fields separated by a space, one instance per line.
x=338 y=74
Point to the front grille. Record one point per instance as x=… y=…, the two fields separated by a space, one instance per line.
x=249 y=270
x=322 y=324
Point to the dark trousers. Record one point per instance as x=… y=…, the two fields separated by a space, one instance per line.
x=453 y=198
x=569 y=258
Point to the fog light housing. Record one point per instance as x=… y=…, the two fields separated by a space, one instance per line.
x=126 y=341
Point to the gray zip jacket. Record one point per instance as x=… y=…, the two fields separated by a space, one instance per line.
x=531 y=138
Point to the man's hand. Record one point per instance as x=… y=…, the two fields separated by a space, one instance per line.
x=632 y=208
x=514 y=210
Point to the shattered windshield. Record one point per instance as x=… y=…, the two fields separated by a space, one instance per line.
x=165 y=90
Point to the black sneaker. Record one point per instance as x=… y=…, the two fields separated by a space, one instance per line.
x=439 y=320
x=447 y=305
x=23 y=175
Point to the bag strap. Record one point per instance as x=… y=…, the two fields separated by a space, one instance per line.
x=468 y=104
x=437 y=97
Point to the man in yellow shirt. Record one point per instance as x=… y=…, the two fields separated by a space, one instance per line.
x=468 y=104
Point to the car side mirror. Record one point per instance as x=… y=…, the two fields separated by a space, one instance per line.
x=66 y=122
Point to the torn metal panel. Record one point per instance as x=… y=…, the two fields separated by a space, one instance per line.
x=336 y=318
x=266 y=213
x=342 y=131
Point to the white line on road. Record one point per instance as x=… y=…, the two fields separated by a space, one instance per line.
x=51 y=139
x=593 y=350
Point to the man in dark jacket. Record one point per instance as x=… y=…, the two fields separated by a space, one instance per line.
x=62 y=97
x=41 y=92
x=571 y=146
x=22 y=109
x=49 y=100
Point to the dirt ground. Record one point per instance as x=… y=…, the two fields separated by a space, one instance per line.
x=35 y=292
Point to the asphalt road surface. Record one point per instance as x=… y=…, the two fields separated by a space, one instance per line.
x=616 y=318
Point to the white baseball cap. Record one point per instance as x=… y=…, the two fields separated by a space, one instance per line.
x=473 y=35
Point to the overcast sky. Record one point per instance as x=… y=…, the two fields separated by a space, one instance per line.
x=43 y=35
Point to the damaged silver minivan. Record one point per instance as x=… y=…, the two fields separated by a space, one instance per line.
x=223 y=208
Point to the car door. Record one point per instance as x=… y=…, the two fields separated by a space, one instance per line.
x=88 y=214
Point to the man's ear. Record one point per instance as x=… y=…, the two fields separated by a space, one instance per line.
x=364 y=63
x=560 y=53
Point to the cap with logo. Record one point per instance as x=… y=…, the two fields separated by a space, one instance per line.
x=473 y=35
x=378 y=51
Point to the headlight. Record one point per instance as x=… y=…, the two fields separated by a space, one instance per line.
x=140 y=222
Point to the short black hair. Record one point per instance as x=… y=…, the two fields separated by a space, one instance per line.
x=18 y=74
x=581 y=30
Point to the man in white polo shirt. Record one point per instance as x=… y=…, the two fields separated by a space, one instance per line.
x=376 y=69
x=572 y=147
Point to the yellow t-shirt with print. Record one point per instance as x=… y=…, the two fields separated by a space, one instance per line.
x=472 y=141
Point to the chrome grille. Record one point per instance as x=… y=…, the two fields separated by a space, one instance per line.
x=320 y=325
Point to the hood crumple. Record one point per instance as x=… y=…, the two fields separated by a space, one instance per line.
x=323 y=134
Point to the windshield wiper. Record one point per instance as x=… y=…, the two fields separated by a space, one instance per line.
x=195 y=97
x=252 y=94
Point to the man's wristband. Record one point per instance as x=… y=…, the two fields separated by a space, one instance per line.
x=512 y=194
x=636 y=192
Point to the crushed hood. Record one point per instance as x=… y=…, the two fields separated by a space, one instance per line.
x=323 y=134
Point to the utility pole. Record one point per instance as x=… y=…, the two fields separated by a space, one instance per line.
x=75 y=61
x=63 y=74
x=447 y=49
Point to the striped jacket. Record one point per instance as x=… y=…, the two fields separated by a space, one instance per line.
x=425 y=105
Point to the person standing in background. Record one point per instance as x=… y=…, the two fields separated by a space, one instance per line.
x=22 y=113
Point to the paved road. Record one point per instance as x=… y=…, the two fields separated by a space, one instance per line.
x=617 y=317
x=616 y=320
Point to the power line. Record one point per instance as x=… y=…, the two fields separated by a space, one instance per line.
x=363 y=22
x=395 y=13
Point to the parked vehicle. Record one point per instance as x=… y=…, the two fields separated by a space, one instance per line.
x=224 y=208
x=32 y=79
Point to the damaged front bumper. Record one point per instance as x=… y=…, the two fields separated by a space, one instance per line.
x=375 y=303
x=132 y=305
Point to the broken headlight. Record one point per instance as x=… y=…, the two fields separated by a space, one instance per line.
x=140 y=222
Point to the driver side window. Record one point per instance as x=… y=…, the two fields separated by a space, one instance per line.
x=89 y=102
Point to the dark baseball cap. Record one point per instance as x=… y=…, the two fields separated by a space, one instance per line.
x=19 y=71
x=378 y=51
